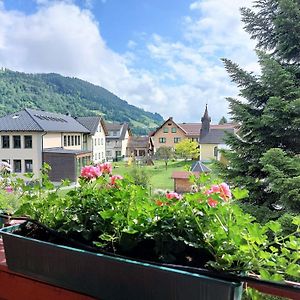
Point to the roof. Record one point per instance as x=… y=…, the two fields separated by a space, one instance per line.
x=65 y=151
x=215 y=136
x=193 y=129
x=198 y=166
x=91 y=123
x=183 y=174
x=39 y=120
x=168 y=120
x=138 y=142
x=120 y=127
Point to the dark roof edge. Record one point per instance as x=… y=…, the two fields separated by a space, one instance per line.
x=25 y=109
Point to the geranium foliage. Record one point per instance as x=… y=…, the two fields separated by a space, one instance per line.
x=205 y=227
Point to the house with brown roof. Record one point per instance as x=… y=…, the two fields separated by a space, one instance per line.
x=167 y=135
x=211 y=137
x=138 y=146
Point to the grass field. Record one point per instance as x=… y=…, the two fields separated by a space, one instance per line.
x=160 y=178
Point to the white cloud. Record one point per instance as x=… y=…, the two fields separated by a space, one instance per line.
x=61 y=37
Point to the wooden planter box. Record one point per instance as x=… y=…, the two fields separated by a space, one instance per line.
x=107 y=277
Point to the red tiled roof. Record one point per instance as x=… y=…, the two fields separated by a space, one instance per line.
x=182 y=174
x=194 y=128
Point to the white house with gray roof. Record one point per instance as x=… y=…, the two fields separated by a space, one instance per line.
x=96 y=140
x=117 y=140
x=30 y=137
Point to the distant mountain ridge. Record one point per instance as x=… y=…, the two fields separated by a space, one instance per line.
x=56 y=93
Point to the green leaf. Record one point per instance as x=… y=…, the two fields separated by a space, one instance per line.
x=293 y=270
x=274 y=226
x=239 y=193
x=296 y=220
x=106 y=214
x=264 y=274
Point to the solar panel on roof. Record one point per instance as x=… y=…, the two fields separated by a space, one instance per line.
x=50 y=118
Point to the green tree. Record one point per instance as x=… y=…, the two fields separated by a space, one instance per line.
x=269 y=117
x=165 y=153
x=283 y=176
x=222 y=121
x=187 y=149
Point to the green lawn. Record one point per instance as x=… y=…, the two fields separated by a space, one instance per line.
x=160 y=178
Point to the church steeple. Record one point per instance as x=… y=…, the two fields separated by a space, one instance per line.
x=205 y=120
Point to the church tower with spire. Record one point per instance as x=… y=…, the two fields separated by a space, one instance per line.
x=205 y=120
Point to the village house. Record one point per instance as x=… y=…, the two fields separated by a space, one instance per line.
x=211 y=137
x=31 y=137
x=96 y=139
x=138 y=147
x=117 y=140
x=167 y=135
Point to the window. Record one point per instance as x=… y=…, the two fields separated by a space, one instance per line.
x=102 y=154
x=174 y=129
x=17 y=166
x=95 y=156
x=118 y=153
x=95 y=142
x=5 y=141
x=17 y=141
x=28 y=166
x=98 y=141
x=166 y=129
x=28 y=141
x=99 y=128
x=176 y=140
x=215 y=151
x=162 y=140
x=85 y=139
x=72 y=140
x=78 y=139
x=65 y=141
x=101 y=141
x=108 y=153
x=69 y=140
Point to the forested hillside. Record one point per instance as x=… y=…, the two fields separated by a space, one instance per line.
x=56 y=93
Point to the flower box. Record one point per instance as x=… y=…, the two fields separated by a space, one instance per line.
x=107 y=277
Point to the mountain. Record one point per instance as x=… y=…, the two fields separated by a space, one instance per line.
x=55 y=93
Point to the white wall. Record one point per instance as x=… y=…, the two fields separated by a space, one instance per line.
x=125 y=143
x=98 y=145
x=34 y=153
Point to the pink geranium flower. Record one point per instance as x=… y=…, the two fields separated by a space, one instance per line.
x=90 y=172
x=222 y=189
x=9 y=189
x=105 y=168
x=114 y=178
x=212 y=203
x=173 y=195
x=225 y=192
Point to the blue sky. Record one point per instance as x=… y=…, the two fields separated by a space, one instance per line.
x=161 y=55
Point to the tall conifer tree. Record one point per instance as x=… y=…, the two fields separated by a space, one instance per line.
x=264 y=157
